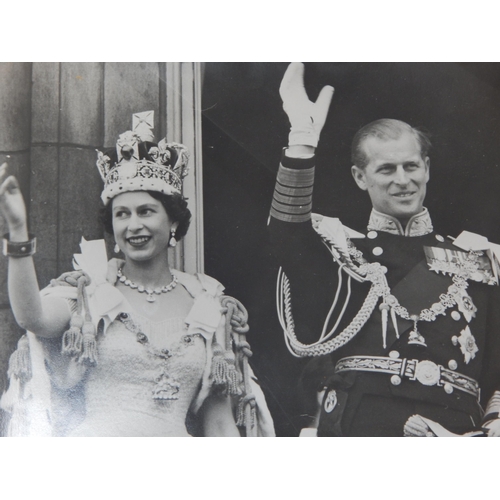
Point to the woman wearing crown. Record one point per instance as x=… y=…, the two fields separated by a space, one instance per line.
x=130 y=347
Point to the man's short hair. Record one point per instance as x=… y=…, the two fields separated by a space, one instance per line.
x=386 y=129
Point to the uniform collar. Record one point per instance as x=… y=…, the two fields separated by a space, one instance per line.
x=418 y=225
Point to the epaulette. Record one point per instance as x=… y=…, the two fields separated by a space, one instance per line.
x=337 y=238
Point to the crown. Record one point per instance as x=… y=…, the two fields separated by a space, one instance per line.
x=139 y=164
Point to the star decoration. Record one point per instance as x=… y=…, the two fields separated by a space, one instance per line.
x=467 y=344
x=466 y=306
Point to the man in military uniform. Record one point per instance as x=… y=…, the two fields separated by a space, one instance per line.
x=409 y=319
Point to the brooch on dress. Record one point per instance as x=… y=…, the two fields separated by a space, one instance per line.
x=166 y=387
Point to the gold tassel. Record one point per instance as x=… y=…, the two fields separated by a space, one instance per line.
x=72 y=338
x=89 y=347
x=233 y=380
x=89 y=351
x=20 y=361
x=219 y=365
x=241 y=417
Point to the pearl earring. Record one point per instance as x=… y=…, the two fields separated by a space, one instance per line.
x=117 y=248
x=172 y=242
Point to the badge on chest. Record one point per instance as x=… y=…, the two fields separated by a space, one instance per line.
x=475 y=266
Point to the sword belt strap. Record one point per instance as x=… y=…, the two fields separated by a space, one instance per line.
x=423 y=371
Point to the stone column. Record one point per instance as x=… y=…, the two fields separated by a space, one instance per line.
x=183 y=122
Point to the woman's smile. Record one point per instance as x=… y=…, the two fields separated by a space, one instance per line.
x=138 y=241
x=141 y=226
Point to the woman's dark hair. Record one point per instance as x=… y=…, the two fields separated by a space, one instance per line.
x=175 y=205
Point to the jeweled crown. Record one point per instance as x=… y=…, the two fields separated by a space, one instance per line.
x=139 y=164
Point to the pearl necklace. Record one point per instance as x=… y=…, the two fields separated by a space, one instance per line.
x=149 y=291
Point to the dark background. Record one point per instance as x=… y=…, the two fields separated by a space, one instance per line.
x=245 y=128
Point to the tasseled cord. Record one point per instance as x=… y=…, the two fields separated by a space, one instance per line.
x=80 y=339
x=238 y=376
x=219 y=364
x=224 y=373
x=20 y=361
x=233 y=320
x=246 y=413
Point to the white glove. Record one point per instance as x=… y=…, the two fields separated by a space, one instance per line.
x=492 y=428
x=306 y=117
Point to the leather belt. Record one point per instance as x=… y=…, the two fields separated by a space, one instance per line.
x=423 y=371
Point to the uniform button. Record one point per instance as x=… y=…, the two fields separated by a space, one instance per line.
x=448 y=388
x=454 y=340
x=394 y=354
x=377 y=251
x=372 y=235
x=452 y=364
x=439 y=238
x=455 y=315
x=395 y=380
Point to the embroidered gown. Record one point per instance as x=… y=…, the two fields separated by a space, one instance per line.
x=145 y=380
x=148 y=377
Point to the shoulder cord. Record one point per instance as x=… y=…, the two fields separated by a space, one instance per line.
x=325 y=345
x=236 y=329
x=320 y=347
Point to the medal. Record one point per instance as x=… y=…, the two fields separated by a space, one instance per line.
x=466 y=306
x=455 y=295
x=468 y=344
x=415 y=337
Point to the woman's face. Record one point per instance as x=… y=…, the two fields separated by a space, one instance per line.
x=141 y=225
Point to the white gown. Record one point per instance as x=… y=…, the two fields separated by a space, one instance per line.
x=148 y=374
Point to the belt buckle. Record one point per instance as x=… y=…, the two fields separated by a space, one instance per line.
x=427 y=373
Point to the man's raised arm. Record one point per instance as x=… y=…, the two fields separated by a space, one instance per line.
x=293 y=194
x=295 y=244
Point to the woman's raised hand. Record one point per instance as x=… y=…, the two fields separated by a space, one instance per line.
x=12 y=205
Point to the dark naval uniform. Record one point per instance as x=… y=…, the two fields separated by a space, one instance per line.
x=441 y=362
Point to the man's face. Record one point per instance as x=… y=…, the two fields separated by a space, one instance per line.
x=395 y=177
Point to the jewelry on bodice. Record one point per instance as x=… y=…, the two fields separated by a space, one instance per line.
x=150 y=293
x=352 y=261
x=166 y=387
